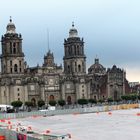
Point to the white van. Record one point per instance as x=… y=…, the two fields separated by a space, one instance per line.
x=4 y=108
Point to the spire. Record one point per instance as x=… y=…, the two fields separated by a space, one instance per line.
x=48 y=39
x=96 y=60
x=73 y=24
x=10 y=19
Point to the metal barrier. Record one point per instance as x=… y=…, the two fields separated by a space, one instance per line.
x=68 y=111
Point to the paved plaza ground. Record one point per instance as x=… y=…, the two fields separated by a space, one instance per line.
x=120 y=125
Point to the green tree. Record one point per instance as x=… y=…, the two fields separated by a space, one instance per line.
x=101 y=101
x=110 y=100
x=16 y=104
x=139 y=97
x=40 y=103
x=29 y=105
x=52 y=102
x=61 y=103
x=92 y=101
x=82 y=102
x=133 y=97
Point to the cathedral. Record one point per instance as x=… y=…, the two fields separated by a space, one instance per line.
x=51 y=81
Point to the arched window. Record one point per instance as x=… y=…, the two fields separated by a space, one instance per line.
x=33 y=101
x=11 y=70
x=14 y=44
x=83 y=66
x=11 y=63
x=79 y=68
x=14 y=50
x=75 y=67
x=68 y=50
x=4 y=69
x=69 y=100
x=68 y=68
x=20 y=63
x=10 y=47
x=74 y=49
x=78 y=51
x=51 y=97
x=15 y=68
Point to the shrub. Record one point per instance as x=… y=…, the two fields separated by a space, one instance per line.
x=82 y=101
x=110 y=100
x=61 y=102
x=16 y=104
x=40 y=103
x=92 y=101
x=52 y=102
x=28 y=103
x=100 y=100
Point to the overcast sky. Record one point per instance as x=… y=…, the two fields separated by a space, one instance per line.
x=111 y=29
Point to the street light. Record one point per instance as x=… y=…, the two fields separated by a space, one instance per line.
x=138 y=90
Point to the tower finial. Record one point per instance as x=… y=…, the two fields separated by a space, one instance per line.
x=96 y=56
x=48 y=40
x=10 y=19
x=73 y=24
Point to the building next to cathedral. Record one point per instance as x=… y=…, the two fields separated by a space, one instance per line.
x=52 y=82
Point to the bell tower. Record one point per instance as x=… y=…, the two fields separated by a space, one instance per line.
x=12 y=57
x=49 y=59
x=74 y=57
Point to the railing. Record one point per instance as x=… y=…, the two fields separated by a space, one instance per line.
x=68 y=111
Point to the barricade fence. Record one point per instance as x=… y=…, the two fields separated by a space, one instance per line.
x=7 y=133
x=13 y=135
x=68 y=111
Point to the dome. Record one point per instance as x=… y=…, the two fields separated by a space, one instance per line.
x=73 y=32
x=96 y=68
x=11 y=29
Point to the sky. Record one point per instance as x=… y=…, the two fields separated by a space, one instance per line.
x=110 y=28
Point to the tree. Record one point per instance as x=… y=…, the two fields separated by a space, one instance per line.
x=61 y=103
x=29 y=105
x=40 y=103
x=101 y=101
x=132 y=97
x=16 y=104
x=92 y=101
x=110 y=100
x=52 y=102
x=139 y=97
x=82 y=102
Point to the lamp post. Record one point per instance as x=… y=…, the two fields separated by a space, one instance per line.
x=138 y=89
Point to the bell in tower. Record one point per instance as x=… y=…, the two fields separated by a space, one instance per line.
x=12 y=58
x=74 y=57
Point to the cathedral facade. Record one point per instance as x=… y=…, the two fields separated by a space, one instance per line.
x=52 y=82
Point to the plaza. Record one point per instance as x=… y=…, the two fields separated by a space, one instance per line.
x=117 y=125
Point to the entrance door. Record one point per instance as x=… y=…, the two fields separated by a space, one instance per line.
x=69 y=100
x=115 y=95
x=33 y=101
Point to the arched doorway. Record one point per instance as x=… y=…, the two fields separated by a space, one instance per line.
x=115 y=95
x=69 y=100
x=33 y=101
x=51 y=98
